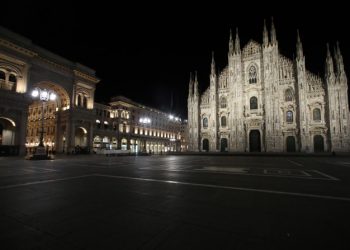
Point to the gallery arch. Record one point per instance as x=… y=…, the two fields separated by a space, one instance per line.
x=45 y=114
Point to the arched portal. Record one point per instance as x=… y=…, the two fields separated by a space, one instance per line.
x=205 y=145
x=7 y=137
x=7 y=131
x=290 y=144
x=80 y=137
x=254 y=141
x=224 y=145
x=318 y=143
x=42 y=118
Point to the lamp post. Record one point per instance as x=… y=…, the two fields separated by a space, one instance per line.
x=43 y=95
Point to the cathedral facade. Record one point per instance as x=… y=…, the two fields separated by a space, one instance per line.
x=264 y=102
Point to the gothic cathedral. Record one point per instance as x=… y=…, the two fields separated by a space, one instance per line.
x=264 y=102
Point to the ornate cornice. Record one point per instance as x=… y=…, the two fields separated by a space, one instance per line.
x=54 y=65
x=17 y=48
x=85 y=76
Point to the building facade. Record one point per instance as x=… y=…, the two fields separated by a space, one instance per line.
x=263 y=101
x=128 y=125
x=66 y=121
x=73 y=121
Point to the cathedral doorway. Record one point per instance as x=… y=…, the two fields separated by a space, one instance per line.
x=254 y=141
x=206 y=145
x=291 y=144
x=318 y=144
x=224 y=145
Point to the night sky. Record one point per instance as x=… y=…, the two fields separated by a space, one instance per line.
x=146 y=52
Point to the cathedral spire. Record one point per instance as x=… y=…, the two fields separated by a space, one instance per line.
x=196 y=92
x=329 y=64
x=190 y=86
x=300 y=53
x=213 y=71
x=237 y=43
x=273 y=33
x=230 y=45
x=265 y=36
x=339 y=59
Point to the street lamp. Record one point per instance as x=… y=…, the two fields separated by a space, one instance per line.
x=44 y=95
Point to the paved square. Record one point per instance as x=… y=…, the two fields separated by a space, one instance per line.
x=175 y=202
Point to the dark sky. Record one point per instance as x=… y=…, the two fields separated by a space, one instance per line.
x=146 y=52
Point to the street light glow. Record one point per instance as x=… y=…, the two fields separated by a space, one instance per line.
x=52 y=96
x=44 y=94
x=35 y=93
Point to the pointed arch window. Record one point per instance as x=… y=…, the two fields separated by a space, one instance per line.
x=253 y=103
x=252 y=75
x=316 y=114
x=288 y=95
x=223 y=121
x=289 y=116
x=205 y=122
x=223 y=102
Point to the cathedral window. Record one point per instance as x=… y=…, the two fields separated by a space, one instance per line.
x=289 y=116
x=316 y=114
x=223 y=102
x=288 y=95
x=205 y=122
x=253 y=103
x=252 y=75
x=223 y=121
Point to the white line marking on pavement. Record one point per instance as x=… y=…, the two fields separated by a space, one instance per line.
x=44 y=181
x=296 y=163
x=307 y=177
x=229 y=187
x=326 y=175
x=46 y=169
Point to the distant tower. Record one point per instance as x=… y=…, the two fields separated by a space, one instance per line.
x=338 y=105
x=235 y=101
x=301 y=89
x=272 y=126
x=213 y=121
